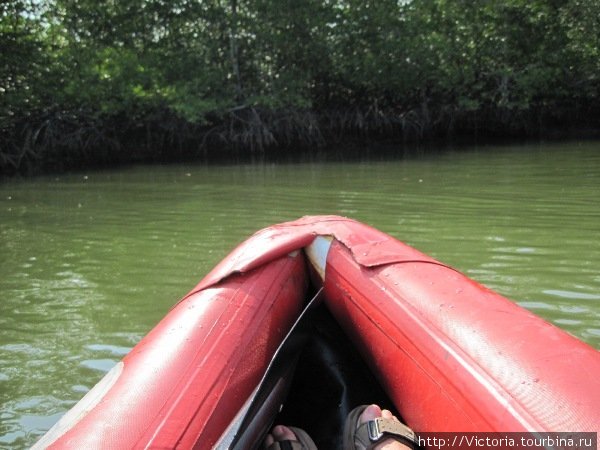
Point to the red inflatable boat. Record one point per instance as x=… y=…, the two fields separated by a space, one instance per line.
x=385 y=324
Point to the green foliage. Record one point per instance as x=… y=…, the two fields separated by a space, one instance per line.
x=187 y=70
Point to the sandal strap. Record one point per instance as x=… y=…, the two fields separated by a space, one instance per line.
x=303 y=442
x=377 y=430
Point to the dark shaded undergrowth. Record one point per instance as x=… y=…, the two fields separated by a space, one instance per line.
x=58 y=141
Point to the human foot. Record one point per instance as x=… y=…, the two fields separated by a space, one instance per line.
x=368 y=426
x=288 y=438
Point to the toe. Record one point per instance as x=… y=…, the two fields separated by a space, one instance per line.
x=387 y=414
x=283 y=433
x=269 y=440
x=371 y=412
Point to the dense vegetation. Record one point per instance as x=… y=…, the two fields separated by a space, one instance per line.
x=99 y=81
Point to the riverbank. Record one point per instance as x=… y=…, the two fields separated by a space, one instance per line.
x=59 y=142
x=86 y=84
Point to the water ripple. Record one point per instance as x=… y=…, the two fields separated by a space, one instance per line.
x=90 y=265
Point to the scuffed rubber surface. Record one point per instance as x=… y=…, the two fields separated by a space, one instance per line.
x=450 y=354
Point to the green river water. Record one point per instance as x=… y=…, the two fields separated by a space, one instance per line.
x=91 y=261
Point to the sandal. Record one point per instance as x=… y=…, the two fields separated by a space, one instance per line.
x=369 y=434
x=303 y=442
